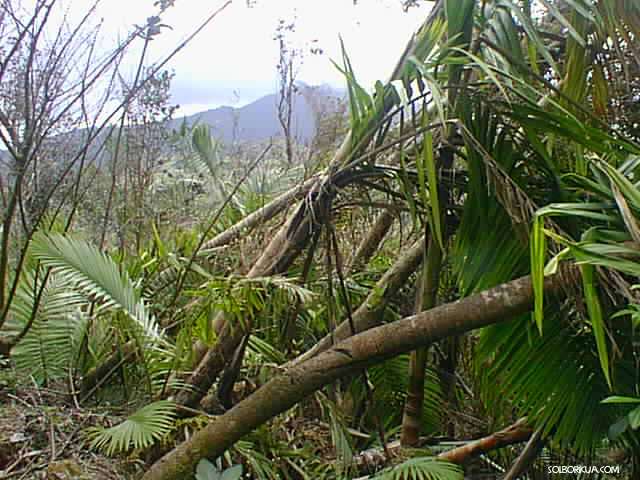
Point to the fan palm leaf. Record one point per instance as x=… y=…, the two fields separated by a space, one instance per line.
x=140 y=430
x=422 y=468
x=94 y=274
x=50 y=348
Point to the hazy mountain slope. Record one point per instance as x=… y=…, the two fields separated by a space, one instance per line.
x=259 y=120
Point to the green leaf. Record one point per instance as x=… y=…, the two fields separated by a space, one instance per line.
x=205 y=470
x=619 y=399
x=428 y=166
x=538 y=253
x=94 y=274
x=422 y=468
x=232 y=473
x=634 y=418
x=595 y=314
x=50 y=348
x=140 y=430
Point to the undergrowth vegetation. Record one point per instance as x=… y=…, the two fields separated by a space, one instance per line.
x=442 y=283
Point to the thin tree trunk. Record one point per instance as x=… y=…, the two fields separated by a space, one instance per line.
x=496 y=305
x=412 y=416
x=426 y=297
x=531 y=450
x=261 y=215
x=369 y=314
x=517 y=433
x=371 y=241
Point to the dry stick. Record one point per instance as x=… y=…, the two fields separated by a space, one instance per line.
x=114 y=175
x=493 y=306
x=531 y=450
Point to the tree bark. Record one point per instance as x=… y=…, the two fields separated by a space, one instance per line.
x=426 y=297
x=263 y=214
x=496 y=305
x=531 y=450
x=517 y=433
x=371 y=241
x=369 y=314
x=5 y=347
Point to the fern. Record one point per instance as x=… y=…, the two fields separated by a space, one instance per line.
x=139 y=431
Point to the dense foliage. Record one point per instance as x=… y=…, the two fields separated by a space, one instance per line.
x=260 y=305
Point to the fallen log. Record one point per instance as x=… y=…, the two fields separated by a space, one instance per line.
x=493 y=306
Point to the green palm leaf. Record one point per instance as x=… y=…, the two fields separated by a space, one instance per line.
x=555 y=379
x=94 y=274
x=49 y=349
x=140 y=430
x=423 y=468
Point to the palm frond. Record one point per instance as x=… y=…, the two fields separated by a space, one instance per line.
x=423 y=468
x=49 y=349
x=207 y=159
x=139 y=431
x=555 y=379
x=94 y=274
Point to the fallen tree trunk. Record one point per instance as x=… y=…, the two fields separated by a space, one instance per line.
x=371 y=241
x=516 y=433
x=369 y=314
x=261 y=215
x=528 y=455
x=496 y=305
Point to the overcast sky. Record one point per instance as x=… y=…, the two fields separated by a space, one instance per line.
x=233 y=61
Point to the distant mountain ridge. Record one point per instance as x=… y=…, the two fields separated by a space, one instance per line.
x=254 y=122
x=258 y=120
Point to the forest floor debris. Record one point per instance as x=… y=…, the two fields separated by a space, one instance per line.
x=43 y=436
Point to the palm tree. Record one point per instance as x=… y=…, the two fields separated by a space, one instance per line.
x=517 y=92
x=503 y=136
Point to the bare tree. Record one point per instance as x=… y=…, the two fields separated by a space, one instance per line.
x=288 y=64
x=57 y=102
